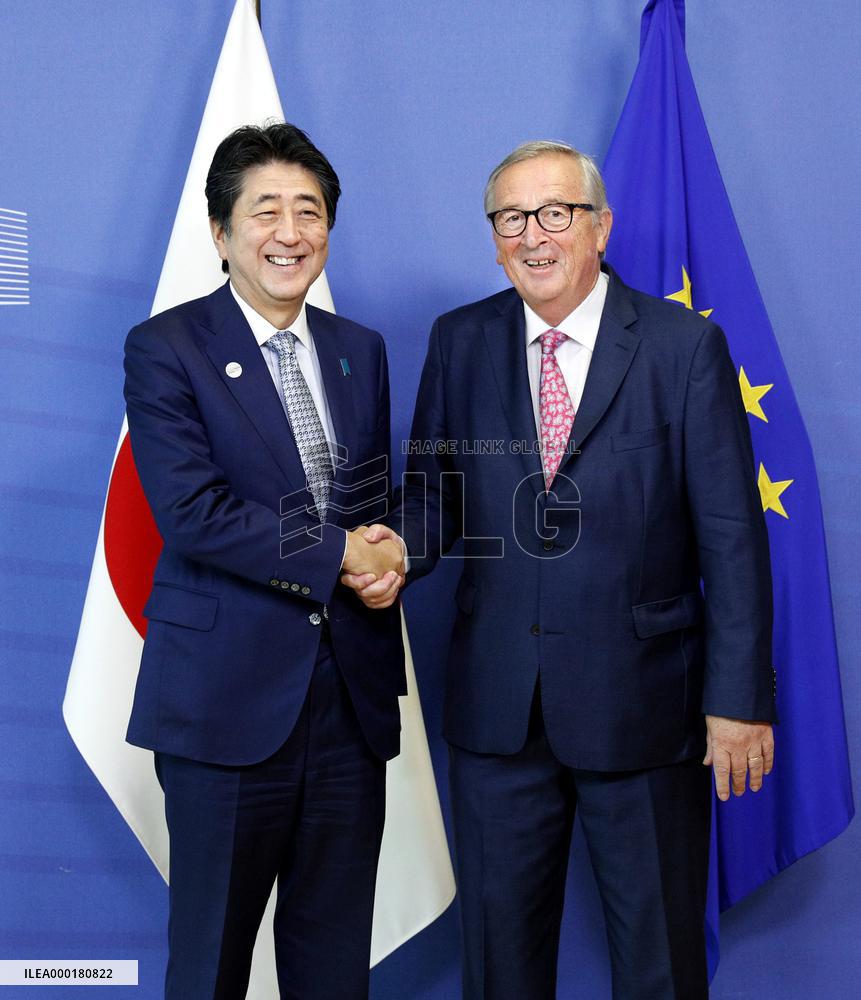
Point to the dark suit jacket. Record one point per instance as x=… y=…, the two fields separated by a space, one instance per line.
x=604 y=601
x=231 y=642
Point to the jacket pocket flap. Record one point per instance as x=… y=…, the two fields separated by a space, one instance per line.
x=641 y=439
x=179 y=606
x=465 y=595
x=674 y=613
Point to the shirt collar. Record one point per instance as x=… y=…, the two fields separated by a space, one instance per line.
x=263 y=330
x=580 y=325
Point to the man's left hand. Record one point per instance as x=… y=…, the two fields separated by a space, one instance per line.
x=736 y=748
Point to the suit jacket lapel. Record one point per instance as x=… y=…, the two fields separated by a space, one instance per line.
x=615 y=348
x=253 y=390
x=506 y=343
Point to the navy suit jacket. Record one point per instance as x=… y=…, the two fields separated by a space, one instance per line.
x=231 y=641
x=598 y=586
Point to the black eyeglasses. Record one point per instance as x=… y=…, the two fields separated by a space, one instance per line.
x=554 y=218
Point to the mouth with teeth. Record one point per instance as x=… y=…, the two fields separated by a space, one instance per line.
x=539 y=264
x=282 y=261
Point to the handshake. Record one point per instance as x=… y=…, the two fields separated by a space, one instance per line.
x=374 y=565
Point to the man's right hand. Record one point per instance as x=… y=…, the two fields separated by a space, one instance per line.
x=374 y=565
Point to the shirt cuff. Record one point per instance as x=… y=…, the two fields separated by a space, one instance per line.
x=406 y=554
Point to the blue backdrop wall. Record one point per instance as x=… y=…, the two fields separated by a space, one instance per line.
x=414 y=104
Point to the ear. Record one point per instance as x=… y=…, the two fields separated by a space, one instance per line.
x=219 y=238
x=497 y=243
x=604 y=225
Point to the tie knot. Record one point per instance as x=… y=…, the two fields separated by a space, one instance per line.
x=284 y=342
x=550 y=340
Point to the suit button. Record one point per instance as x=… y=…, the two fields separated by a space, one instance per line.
x=535 y=630
x=306 y=591
x=274 y=583
x=547 y=546
x=315 y=618
x=294 y=587
x=285 y=585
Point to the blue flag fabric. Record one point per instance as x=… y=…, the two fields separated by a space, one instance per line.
x=674 y=235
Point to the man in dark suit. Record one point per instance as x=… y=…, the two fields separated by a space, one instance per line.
x=588 y=445
x=267 y=690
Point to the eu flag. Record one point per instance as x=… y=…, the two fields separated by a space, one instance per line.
x=674 y=236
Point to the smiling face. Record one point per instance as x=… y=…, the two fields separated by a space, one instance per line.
x=552 y=272
x=278 y=241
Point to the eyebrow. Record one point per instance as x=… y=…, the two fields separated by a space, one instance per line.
x=520 y=208
x=277 y=197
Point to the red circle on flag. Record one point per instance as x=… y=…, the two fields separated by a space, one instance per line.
x=132 y=541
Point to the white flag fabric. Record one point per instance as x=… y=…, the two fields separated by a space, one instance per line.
x=415 y=882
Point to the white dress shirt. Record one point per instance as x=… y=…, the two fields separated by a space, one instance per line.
x=575 y=353
x=306 y=355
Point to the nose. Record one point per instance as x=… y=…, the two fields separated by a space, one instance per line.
x=287 y=230
x=533 y=234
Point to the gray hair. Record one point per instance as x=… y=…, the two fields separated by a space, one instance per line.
x=592 y=180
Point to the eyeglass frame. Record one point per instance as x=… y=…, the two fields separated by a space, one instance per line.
x=570 y=205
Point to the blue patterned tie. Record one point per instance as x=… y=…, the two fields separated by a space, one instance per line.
x=305 y=422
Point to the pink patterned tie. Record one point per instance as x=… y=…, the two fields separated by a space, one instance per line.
x=555 y=408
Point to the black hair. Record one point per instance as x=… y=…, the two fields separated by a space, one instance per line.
x=255 y=146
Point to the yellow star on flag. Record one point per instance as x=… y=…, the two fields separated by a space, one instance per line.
x=752 y=394
x=769 y=492
x=684 y=295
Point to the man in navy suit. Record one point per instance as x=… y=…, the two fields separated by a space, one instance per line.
x=588 y=444
x=267 y=690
